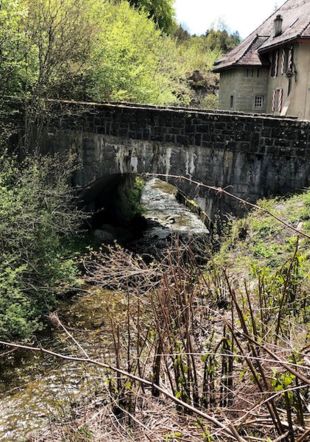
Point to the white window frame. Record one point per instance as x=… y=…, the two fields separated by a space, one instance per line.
x=277 y=100
x=259 y=101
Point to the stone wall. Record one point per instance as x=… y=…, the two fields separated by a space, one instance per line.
x=256 y=156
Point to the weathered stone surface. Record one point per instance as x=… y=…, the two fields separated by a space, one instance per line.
x=255 y=156
x=168 y=220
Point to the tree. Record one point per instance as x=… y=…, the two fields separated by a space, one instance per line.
x=61 y=32
x=221 y=40
x=91 y=50
x=181 y=34
x=160 y=11
x=15 y=51
x=130 y=65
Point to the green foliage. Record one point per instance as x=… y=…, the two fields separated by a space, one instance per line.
x=274 y=259
x=129 y=197
x=44 y=44
x=14 y=46
x=61 y=33
x=181 y=34
x=197 y=55
x=127 y=65
x=90 y=49
x=282 y=381
x=211 y=101
x=173 y=436
x=36 y=215
x=160 y=11
x=221 y=40
x=260 y=240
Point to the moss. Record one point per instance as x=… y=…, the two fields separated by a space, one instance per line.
x=90 y=311
x=166 y=187
x=129 y=197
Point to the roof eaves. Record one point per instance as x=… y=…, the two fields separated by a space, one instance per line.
x=280 y=43
x=247 y=48
x=307 y=25
x=235 y=65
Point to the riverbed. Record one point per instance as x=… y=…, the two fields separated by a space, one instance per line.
x=36 y=389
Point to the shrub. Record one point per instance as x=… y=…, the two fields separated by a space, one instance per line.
x=37 y=215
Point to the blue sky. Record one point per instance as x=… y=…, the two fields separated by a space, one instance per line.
x=239 y=15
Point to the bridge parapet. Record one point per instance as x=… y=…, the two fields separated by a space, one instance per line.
x=256 y=155
x=187 y=127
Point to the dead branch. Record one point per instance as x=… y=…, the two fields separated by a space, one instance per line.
x=228 y=429
x=118 y=269
x=221 y=191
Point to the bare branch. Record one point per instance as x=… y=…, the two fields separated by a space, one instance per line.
x=229 y=429
x=221 y=191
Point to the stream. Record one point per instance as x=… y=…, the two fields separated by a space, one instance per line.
x=36 y=389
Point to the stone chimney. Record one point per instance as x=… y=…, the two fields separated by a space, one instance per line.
x=278 y=25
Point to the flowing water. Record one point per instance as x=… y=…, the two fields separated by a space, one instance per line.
x=35 y=389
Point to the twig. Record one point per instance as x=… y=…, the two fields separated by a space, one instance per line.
x=304 y=437
x=282 y=363
x=221 y=191
x=229 y=429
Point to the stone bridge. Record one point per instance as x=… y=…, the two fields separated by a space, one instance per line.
x=254 y=155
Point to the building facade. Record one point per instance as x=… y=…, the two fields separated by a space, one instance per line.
x=269 y=72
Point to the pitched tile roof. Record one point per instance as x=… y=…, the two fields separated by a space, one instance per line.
x=296 y=24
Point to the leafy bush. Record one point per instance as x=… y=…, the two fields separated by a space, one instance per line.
x=37 y=214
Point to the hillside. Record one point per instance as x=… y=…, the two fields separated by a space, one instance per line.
x=260 y=243
x=268 y=265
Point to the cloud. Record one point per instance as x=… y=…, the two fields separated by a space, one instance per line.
x=239 y=15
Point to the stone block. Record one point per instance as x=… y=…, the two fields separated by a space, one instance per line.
x=182 y=140
x=202 y=128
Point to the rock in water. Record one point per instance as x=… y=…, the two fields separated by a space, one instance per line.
x=167 y=219
x=104 y=236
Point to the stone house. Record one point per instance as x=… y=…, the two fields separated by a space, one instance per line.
x=269 y=72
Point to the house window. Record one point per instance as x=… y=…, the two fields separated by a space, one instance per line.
x=274 y=63
x=284 y=61
x=231 y=102
x=259 y=101
x=277 y=100
x=290 y=61
x=287 y=60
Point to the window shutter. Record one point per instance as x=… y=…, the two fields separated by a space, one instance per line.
x=277 y=63
x=273 y=100
x=280 y=100
x=283 y=62
x=290 y=59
